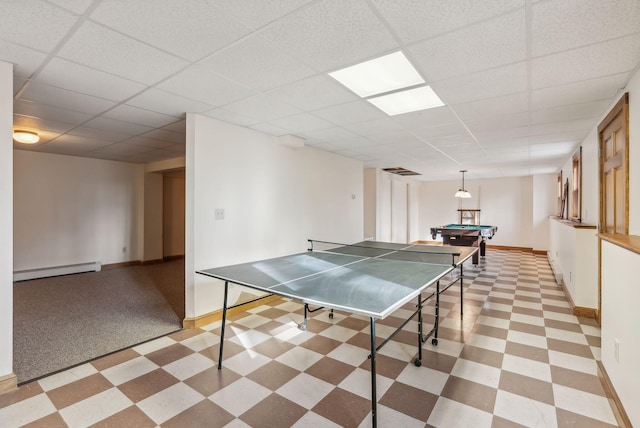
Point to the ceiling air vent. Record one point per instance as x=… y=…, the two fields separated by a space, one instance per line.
x=400 y=171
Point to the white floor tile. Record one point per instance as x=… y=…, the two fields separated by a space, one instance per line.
x=154 y=345
x=493 y=322
x=63 y=378
x=476 y=372
x=583 y=403
x=359 y=382
x=526 y=367
x=201 y=341
x=245 y=362
x=250 y=392
x=338 y=333
x=388 y=417
x=487 y=342
x=305 y=390
x=423 y=378
x=252 y=321
x=188 y=366
x=299 y=358
x=95 y=408
x=568 y=336
x=525 y=411
x=313 y=420
x=573 y=362
x=349 y=354
x=128 y=370
x=527 y=319
x=448 y=413
x=527 y=339
x=26 y=411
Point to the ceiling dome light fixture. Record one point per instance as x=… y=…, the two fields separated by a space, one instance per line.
x=26 y=137
x=462 y=192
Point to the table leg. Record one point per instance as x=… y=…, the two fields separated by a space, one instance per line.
x=418 y=361
x=461 y=291
x=224 y=321
x=374 y=399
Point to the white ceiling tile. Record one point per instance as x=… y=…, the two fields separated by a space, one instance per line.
x=79 y=144
x=99 y=134
x=140 y=116
x=594 y=110
x=240 y=62
x=270 y=129
x=257 y=13
x=507 y=121
x=40 y=125
x=583 y=126
x=488 y=107
x=488 y=44
x=76 y=6
x=66 y=99
x=28 y=108
x=414 y=20
x=262 y=107
x=454 y=140
x=508 y=79
x=328 y=134
x=602 y=88
x=20 y=18
x=426 y=118
x=25 y=61
x=374 y=127
x=303 y=122
x=161 y=23
x=167 y=103
x=314 y=93
x=613 y=57
x=164 y=135
x=343 y=114
x=441 y=131
x=101 y=48
x=149 y=142
x=106 y=124
x=332 y=34
x=230 y=116
x=203 y=84
x=561 y=25
x=74 y=77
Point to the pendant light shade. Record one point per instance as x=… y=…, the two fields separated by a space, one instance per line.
x=462 y=192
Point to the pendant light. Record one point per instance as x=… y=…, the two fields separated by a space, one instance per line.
x=462 y=192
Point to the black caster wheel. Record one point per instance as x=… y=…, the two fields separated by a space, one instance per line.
x=434 y=342
x=417 y=362
x=330 y=315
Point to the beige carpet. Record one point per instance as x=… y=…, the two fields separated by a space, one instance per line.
x=63 y=321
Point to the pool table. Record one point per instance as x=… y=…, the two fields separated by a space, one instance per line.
x=465 y=234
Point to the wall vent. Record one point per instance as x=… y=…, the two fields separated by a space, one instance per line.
x=400 y=171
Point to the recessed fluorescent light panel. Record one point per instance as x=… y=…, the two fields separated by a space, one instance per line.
x=407 y=101
x=380 y=75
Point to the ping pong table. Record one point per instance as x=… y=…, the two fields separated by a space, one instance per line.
x=370 y=278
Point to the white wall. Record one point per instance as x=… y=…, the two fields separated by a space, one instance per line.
x=544 y=205
x=620 y=321
x=414 y=211
x=504 y=202
x=173 y=214
x=275 y=198
x=370 y=202
x=6 y=219
x=153 y=216
x=399 y=213
x=72 y=210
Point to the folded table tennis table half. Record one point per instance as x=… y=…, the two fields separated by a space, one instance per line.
x=369 y=278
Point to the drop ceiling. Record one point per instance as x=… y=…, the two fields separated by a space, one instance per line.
x=523 y=81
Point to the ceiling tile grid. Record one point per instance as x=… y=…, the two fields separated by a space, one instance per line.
x=522 y=82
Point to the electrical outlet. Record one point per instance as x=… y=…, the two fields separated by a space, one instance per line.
x=219 y=214
x=616 y=350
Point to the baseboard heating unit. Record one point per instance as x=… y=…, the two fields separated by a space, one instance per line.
x=25 y=275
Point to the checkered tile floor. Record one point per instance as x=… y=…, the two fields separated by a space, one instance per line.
x=517 y=358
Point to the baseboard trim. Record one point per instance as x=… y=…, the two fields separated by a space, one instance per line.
x=169 y=258
x=214 y=316
x=121 y=264
x=509 y=248
x=151 y=262
x=540 y=252
x=579 y=311
x=618 y=409
x=8 y=383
